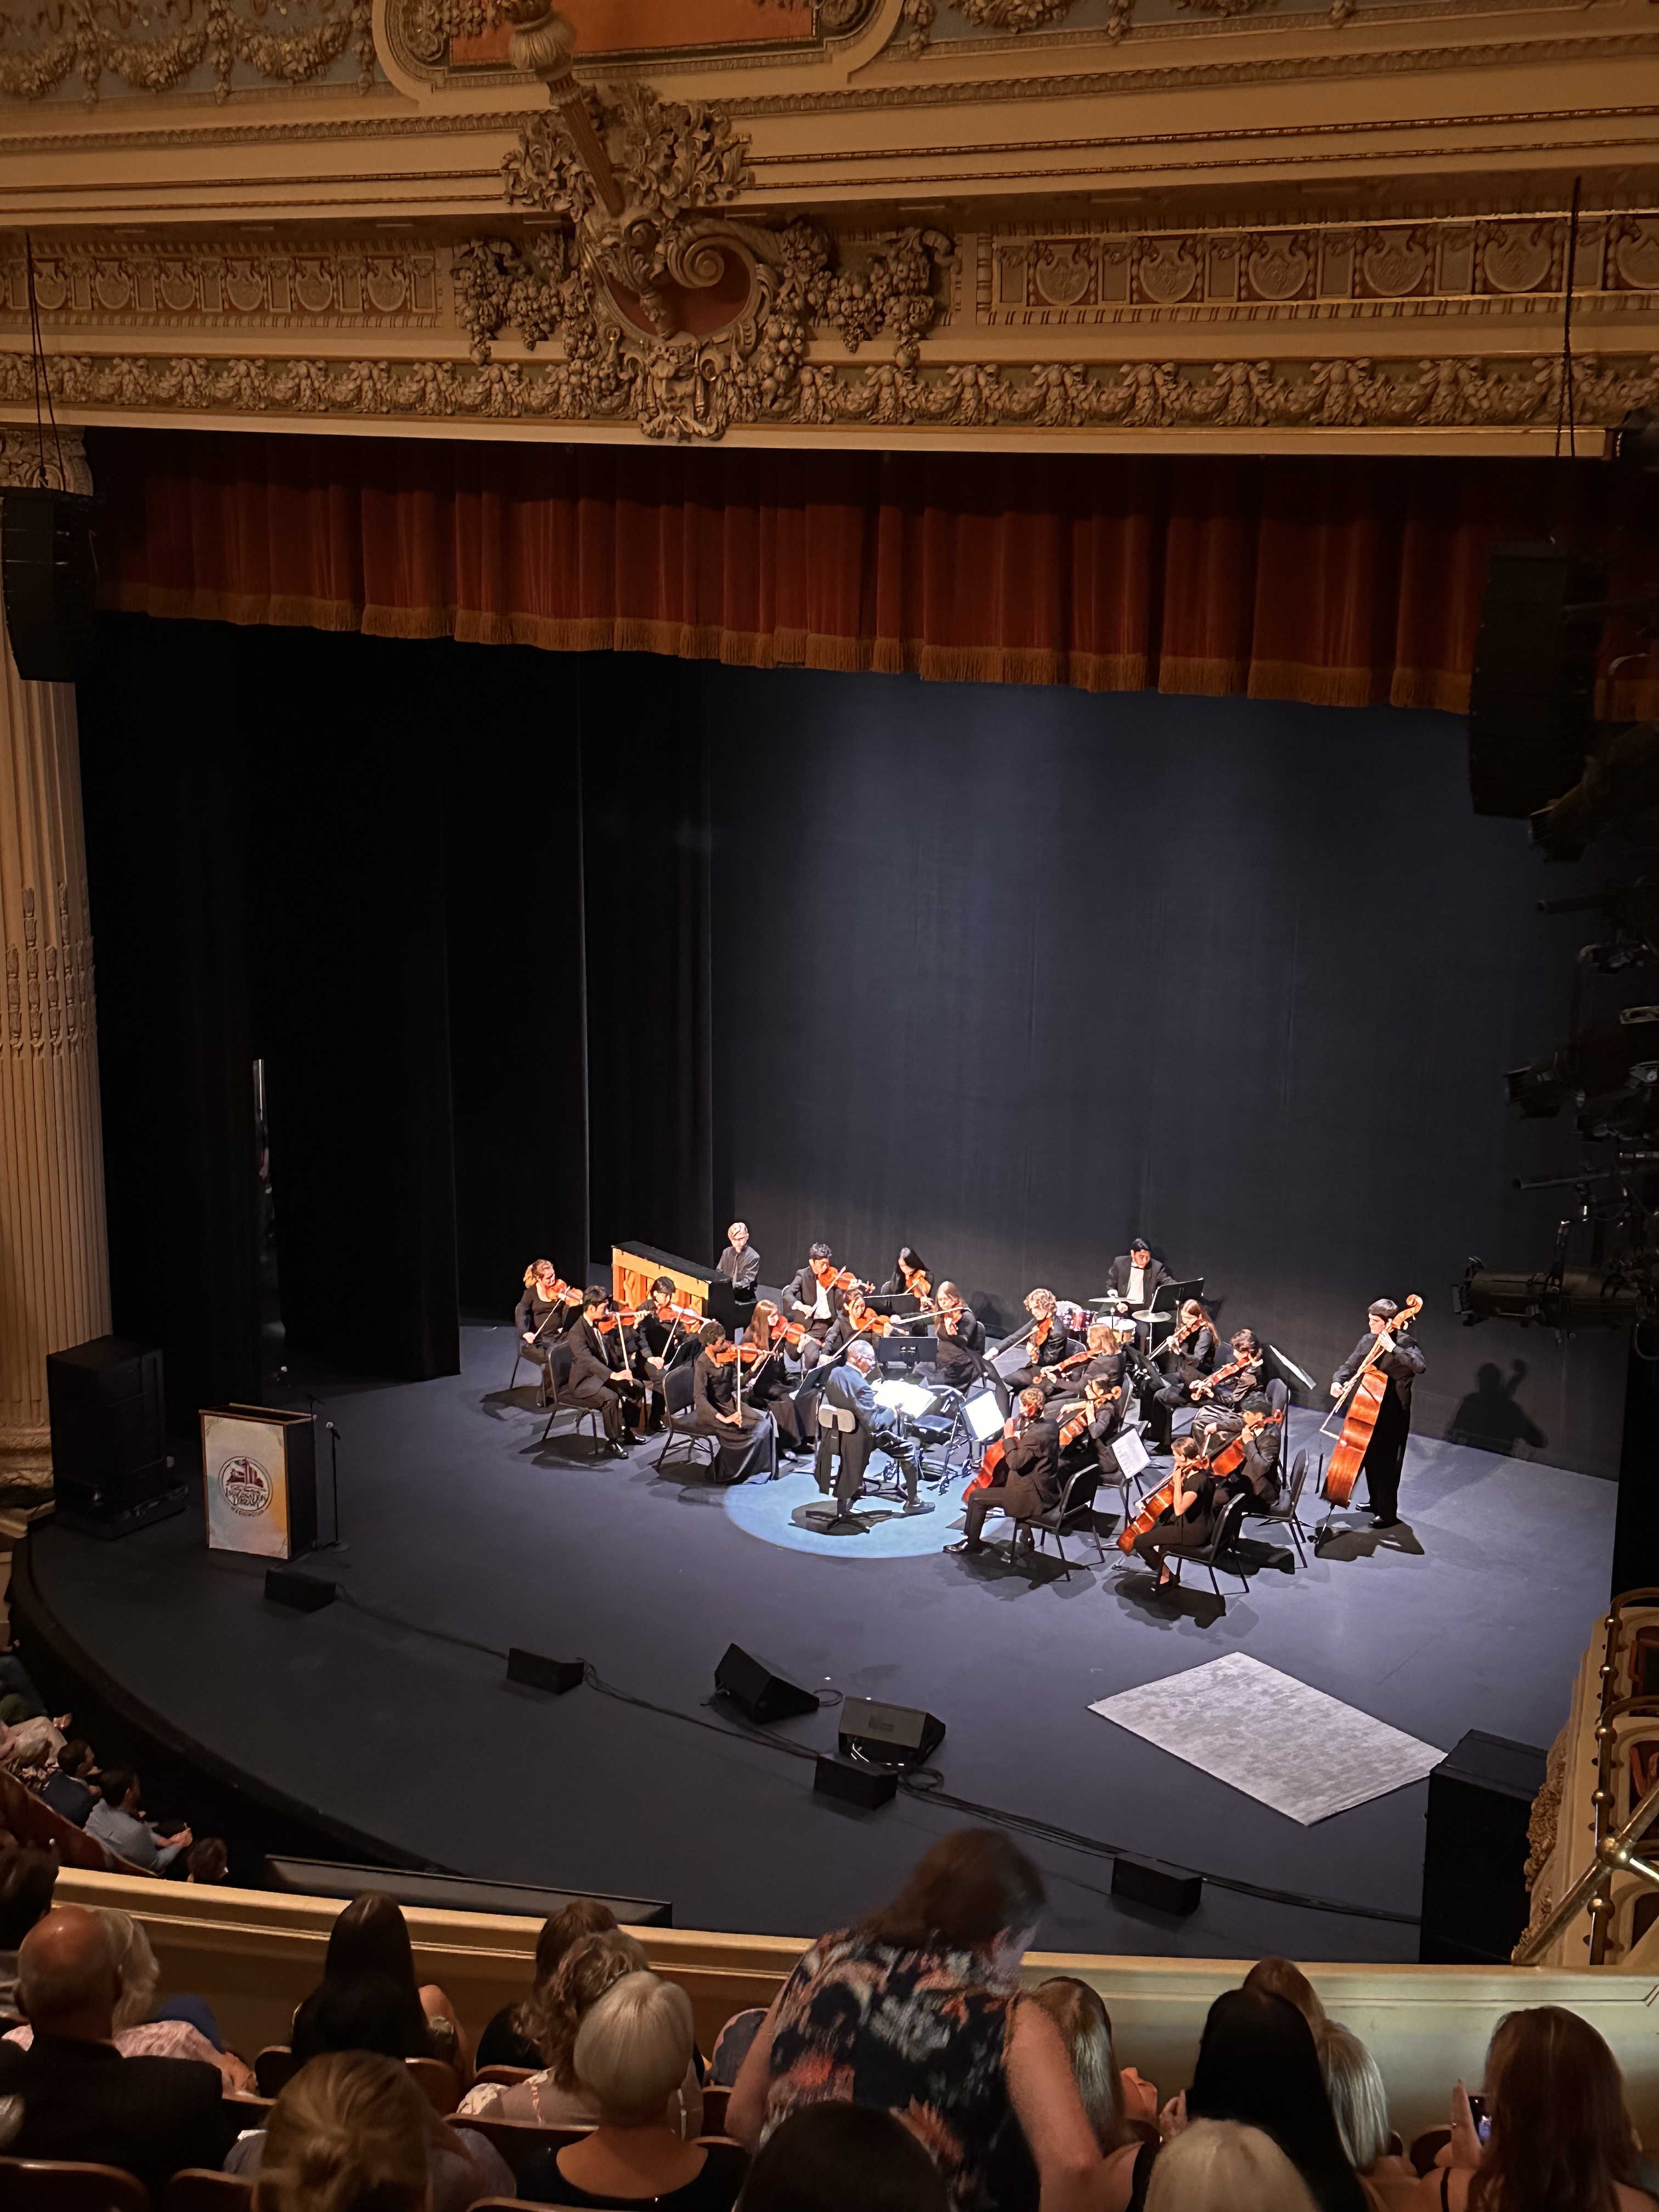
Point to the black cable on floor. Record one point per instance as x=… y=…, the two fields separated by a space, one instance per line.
x=923 y=1784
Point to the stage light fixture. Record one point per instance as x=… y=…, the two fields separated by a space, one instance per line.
x=1561 y=1298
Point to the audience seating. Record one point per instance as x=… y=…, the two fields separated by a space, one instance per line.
x=1426 y=2148
x=274 y=2069
x=503 y=2076
x=45 y=2185
x=714 y=2102
x=33 y=1821
x=200 y=2189
x=440 y=2081
x=516 y=2139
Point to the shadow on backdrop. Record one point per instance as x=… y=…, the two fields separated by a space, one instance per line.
x=1492 y=1417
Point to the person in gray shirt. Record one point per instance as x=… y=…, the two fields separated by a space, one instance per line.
x=118 y=1823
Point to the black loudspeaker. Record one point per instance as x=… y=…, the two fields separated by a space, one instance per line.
x=1532 y=694
x=1178 y=1894
x=51 y=580
x=887 y=1735
x=1476 y=1905
x=756 y=1691
x=110 y=1470
x=304 y=1593
x=867 y=1787
x=538 y=1674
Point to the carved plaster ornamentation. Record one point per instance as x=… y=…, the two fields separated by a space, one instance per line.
x=156 y=45
x=244 y=282
x=64 y=454
x=686 y=390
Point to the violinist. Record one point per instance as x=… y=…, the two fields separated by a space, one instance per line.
x=1385 y=1455
x=1224 y=1390
x=601 y=1372
x=1134 y=1278
x=740 y=1262
x=1188 y=1522
x=1258 y=1434
x=815 y=1296
x=747 y=1437
x=1190 y=1350
x=1103 y=1362
x=765 y=1383
x=666 y=1335
x=910 y=1278
x=1027 y=1482
x=959 y=1358
x=1047 y=1342
x=544 y=1315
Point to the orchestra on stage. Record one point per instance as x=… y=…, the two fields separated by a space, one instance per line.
x=900 y=1377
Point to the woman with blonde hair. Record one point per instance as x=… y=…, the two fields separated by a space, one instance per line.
x=551 y=2018
x=1220 y=2165
x=1127 y=2140
x=349 y=2131
x=632 y=2052
x=1353 y=2083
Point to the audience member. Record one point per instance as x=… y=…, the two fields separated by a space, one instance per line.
x=1085 y=2028
x=1257 y=2063
x=371 y=1936
x=361 y=2012
x=70 y=1788
x=507 y=2040
x=1277 y=1978
x=347 y=2133
x=843 y=2158
x=138 y=2034
x=27 y=1881
x=634 y=2049
x=731 y=2045
x=915 y=2011
x=555 y=2097
x=1561 y=2137
x=1359 y=2104
x=353 y=2132
x=208 y=1861
x=81 y=2098
x=29 y=1742
x=17 y=1683
x=118 y=1823
x=1219 y=2165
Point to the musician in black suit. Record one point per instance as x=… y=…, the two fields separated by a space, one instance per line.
x=1385 y=1454
x=1222 y=1392
x=1027 y=1482
x=81 y=2098
x=1259 y=1473
x=1044 y=1309
x=665 y=1338
x=598 y=1358
x=812 y=1297
x=1135 y=1278
x=740 y=1262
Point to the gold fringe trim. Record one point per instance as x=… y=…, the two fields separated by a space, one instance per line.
x=1438 y=688
x=1209 y=679
x=1314 y=686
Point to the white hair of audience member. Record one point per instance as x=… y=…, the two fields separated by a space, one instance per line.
x=53 y=1989
x=1218 y=2165
x=633 y=2048
x=861 y=1355
x=1353 y=2083
x=141 y=1970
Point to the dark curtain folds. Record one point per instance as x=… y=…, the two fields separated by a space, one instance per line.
x=1346 y=580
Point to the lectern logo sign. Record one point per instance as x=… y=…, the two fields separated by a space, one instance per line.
x=245 y=1485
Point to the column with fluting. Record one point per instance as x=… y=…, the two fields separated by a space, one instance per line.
x=54 y=1261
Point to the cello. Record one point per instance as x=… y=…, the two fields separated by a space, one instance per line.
x=1368 y=1386
x=1157 y=1502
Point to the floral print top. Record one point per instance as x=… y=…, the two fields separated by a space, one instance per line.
x=918 y=2033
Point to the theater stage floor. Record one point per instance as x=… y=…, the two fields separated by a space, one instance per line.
x=385 y=1714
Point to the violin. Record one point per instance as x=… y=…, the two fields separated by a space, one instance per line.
x=622 y=1318
x=728 y=1355
x=1369 y=1387
x=688 y=1315
x=1077 y=1427
x=1225 y=1374
x=1157 y=1502
x=844 y=1279
x=1177 y=1337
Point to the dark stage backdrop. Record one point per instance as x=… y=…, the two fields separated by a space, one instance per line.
x=1009 y=973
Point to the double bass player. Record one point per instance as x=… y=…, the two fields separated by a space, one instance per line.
x=1400 y=1362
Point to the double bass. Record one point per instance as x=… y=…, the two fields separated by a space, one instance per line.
x=1359 y=1424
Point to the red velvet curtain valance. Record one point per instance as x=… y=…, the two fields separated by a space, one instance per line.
x=1341 y=581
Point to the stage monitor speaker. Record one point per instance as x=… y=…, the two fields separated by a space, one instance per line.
x=304 y=1593
x=1476 y=1905
x=887 y=1735
x=1532 y=694
x=867 y=1787
x=1178 y=1894
x=538 y=1674
x=49 y=580
x=756 y=1691
x=110 y=1468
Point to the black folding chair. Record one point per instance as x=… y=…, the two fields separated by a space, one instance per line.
x=1224 y=1538
x=1075 y=1512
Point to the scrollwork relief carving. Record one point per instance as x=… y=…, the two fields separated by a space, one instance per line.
x=686 y=389
x=250 y=281
x=154 y=45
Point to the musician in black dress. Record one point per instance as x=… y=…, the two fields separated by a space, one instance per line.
x=910 y=1279
x=1192 y=1344
x=1259 y=1473
x=959 y=1358
x=1028 y=1481
x=748 y=1440
x=599 y=1378
x=1385 y=1454
x=544 y=1314
x=1188 y=1522
x=1055 y=1343
x=667 y=1337
x=766 y=1382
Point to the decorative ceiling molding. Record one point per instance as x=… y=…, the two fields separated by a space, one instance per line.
x=157 y=46
x=25 y=455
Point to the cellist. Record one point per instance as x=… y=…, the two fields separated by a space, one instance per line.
x=1385 y=1454
x=1027 y=1482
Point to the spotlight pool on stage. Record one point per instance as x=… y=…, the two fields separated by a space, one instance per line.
x=773 y=1511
